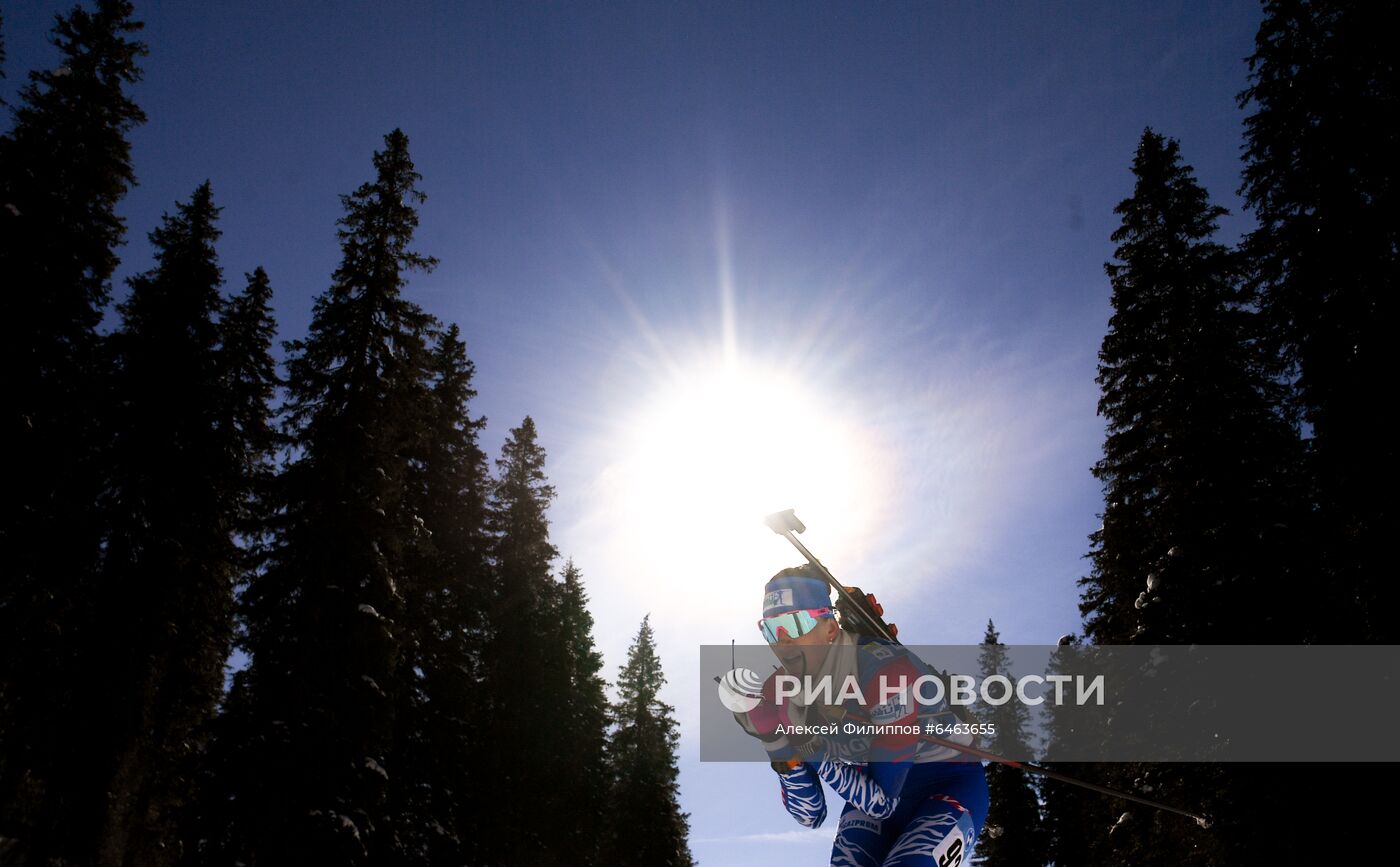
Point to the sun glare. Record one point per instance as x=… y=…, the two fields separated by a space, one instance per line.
x=719 y=447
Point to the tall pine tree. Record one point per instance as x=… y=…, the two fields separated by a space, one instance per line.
x=1205 y=507
x=64 y=166
x=1320 y=177
x=248 y=382
x=182 y=466
x=1077 y=821
x=581 y=738
x=1202 y=497
x=1013 y=836
x=646 y=825
x=525 y=657
x=437 y=791
x=312 y=720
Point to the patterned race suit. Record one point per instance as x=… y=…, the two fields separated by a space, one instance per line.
x=908 y=802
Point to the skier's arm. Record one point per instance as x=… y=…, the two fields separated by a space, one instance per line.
x=798 y=785
x=802 y=793
x=860 y=788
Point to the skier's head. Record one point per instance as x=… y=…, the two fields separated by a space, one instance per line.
x=797 y=587
x=797 y=613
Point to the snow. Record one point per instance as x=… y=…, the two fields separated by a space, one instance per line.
x=376 y=767
x=347 y=823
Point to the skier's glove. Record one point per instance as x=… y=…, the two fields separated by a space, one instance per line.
x=763 y=721
x=854 y=783
x=782 y=749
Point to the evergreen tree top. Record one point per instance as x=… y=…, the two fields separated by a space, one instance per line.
x=1173 y=285
x=193 y=227
x=98 y=60
x=1322 y=83
x=518 y=517
x=249 y=373
x=66 y=162
x=379 y=222
x=454 y=370
x=248 y=328
x=522 y=462
x=640 y=679
x=182 y=288
x=366 y=346
x=1168 y=210
x=991 y=636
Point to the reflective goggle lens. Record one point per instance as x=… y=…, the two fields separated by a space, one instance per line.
x=793 y=624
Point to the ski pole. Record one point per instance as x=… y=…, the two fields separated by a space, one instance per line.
x=1029 y=767
x=1201 y=819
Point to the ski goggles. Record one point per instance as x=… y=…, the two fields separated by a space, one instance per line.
x=793 y=624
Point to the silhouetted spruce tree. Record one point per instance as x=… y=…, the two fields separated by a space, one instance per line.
x=179 y=482
x=1321 y=179
x=582 y=729
x=525 y=661
x=1201 y=494
x=1204 y=504
x=1013 y=834
x=521 y=497
x=248 y=385
x=646 y=825
x=64 y=166
x=311 y=721
x=438 y=791
x=248 y=382
x=1077 y=821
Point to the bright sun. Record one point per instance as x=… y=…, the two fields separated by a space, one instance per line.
x=720 y=446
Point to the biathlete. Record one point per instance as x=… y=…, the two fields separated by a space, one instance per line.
x=909 y=802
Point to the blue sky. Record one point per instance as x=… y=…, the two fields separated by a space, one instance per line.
x=889 y=218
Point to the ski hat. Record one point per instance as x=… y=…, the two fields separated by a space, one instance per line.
x=792 y=589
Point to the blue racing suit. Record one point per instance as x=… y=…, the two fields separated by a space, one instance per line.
x=908 y=802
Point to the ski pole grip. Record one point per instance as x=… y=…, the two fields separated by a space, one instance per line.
x=781 y=522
